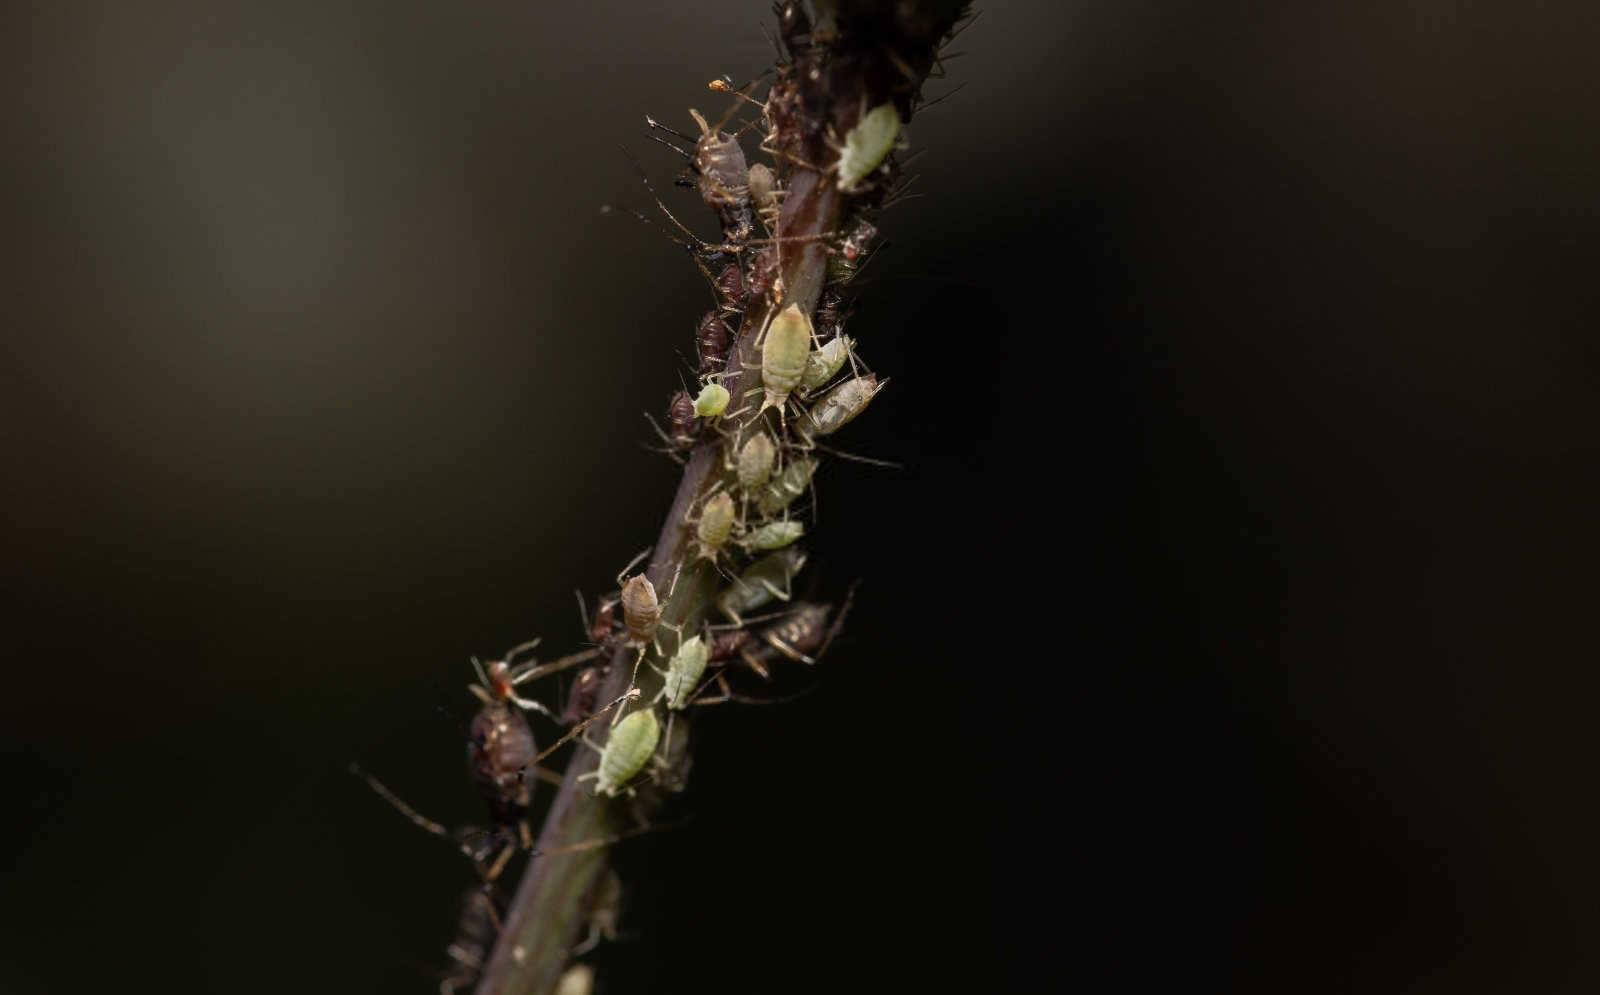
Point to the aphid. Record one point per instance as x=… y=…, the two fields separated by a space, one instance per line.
x=581 y=698
x=753 y=466
x=601 y=628
x=783 y=355
x=498 y=681
x=764 y=273
x=712 y=401
x=852 y=253
x=712 y=338
x=773 y=535
x=641 y=610
x=683 y=673
x=788 y=485
x=825 y=361
x=764 y=195
x=680 y=420
x=628 y=749
x=724 y=178
x=830 y=316
x=800 y=632
x=500 y=746
x=794 y=26
x=838 y=406
x=763 y=580
x=867 y=145
x=729 y=285
x=715 y=525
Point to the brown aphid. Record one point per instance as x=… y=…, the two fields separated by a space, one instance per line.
x=719 y=164
x=729 y=284
x=681 y=420
x=712 y=339
x=500 y=745
x=583 y=695
x=641 y=610
x=726 y=645
x=830 y=316
x=764 y=272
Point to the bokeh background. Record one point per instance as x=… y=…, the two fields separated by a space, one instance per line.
x=1229 y=625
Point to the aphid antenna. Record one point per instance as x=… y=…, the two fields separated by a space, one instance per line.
x=675 y=133
x=419 y=820
x=632 y=694
x=633 y=563
x=701 y=244
x=856 y=457
x=941 y=98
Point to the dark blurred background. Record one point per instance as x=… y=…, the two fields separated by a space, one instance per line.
x=1229 y=625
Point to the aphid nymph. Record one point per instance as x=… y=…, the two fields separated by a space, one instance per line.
x=867 y=145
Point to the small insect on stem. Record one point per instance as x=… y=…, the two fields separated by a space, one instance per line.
x=825 y=361
x=789 y=484
x=712 y=401
x=628 y=749
x=867 y=145
x=773 y=535
x=839 y=406
x=683 y=673
x=784 y=350
x=761 y=582
x=476 y=931
x=753 y=465
x=641 y=610
x=712 y=339
x=715 y=526
x=576 y=980
x=581 y=698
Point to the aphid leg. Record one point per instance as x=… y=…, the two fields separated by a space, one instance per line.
x=417 y=818
x=632 y=563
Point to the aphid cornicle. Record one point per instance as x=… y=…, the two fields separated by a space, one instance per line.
x=783 y=355
x=753 y=467
x=711 y=401
x=838 y=406
x=867 y=145
x=627 y=751
x=789 y=484
x=715 y=525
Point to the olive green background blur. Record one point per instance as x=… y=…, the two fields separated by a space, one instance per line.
x=1229 y=625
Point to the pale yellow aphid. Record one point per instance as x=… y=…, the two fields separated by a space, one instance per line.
x=754 y=465
x=790 y=484
x=715 y=525
x=867 y=145
x=713 y=401
x=773 y=535
x=784 y=354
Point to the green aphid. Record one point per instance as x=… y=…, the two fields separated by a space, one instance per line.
x=630 y=747
x=754 y=463
x=712 y=401
x=774 y=535
x=823 y=363
x=684 y=671
x=790 y=484
x=783 y=355
x=762 y=581
x=867 y=145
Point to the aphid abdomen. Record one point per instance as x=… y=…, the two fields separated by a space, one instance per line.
x=500 y=745
x=680 y=419
x=761 y=582
x=783 y=355
x=581 y=699
x=641 y=611
x=630 y=747
x=712 y=401
x=724 y=178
